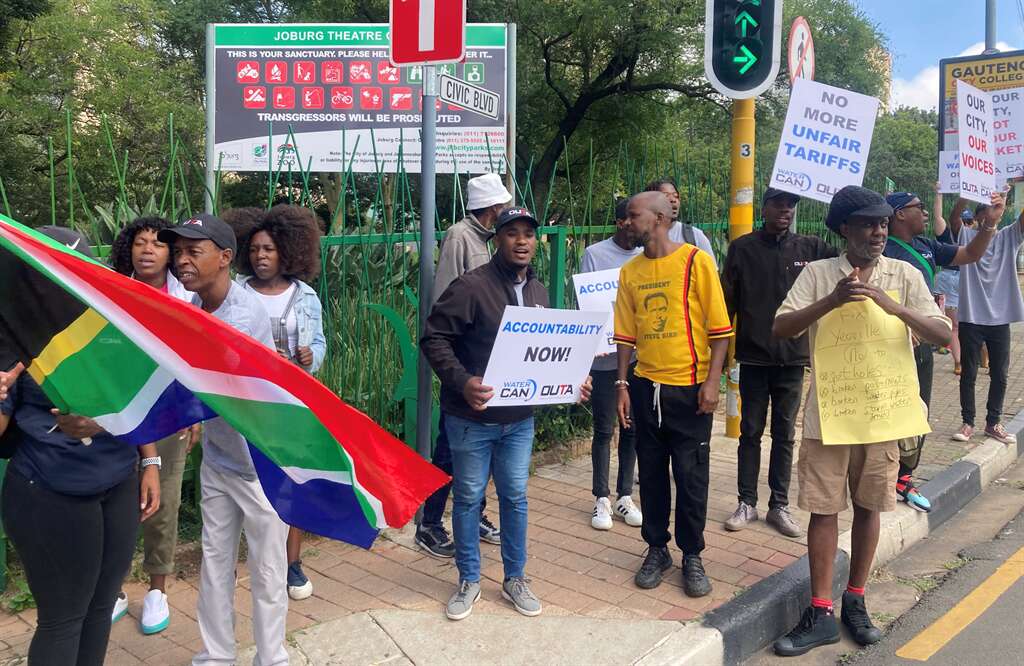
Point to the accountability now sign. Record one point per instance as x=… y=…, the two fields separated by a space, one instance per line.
x=977 y=152
x=346 y=105
x=541 y=356
x=595 y=292
x=825 y=141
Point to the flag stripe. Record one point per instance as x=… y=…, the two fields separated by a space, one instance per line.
x=70 y=341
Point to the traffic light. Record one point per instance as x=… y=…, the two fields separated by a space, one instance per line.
x=742 y=42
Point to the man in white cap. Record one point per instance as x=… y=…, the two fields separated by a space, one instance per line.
x=464 y=248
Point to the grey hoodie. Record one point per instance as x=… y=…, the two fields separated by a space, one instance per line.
x=463 y=249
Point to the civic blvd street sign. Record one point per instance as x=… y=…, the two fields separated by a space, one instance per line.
x=465 y=95
x=425 y=32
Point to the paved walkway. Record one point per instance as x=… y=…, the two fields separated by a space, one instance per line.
x=576 y=571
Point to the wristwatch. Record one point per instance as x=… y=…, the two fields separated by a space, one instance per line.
x=146 y=462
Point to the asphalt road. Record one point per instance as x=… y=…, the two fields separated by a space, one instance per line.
x=993 y=635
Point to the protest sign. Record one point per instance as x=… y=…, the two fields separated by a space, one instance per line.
x=595 y=292
x=1008 y=133
x=865 y=377
x=542 y=355
x=825 y=141
x=949 y=172
x=977 y=152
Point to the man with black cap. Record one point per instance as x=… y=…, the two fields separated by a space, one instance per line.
x=458 y=343
x=203 y=249
x=829 y=472
x=759 y=270
x=908 y=243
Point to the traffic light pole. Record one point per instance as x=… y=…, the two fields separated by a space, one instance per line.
x=741 y=222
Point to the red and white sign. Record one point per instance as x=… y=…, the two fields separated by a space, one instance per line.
x=284 y=98
x=313 y=98
x=801 y=51
x=254 y=97
x=342 y=97
x=387 y=73
x=276 y=71
x=401 y=99
x=332 y=71
x=425 y=32
x=977 y=148
x=371 y=99
x=247 y=71
x=359 y=72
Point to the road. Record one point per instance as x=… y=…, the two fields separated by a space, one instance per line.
x=955 y=598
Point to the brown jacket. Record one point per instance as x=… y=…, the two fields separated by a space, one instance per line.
x=461 y=329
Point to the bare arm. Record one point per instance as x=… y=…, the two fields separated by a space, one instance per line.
x=975 y=250
x=625 y=353
x=956 y=223
x=938 y=221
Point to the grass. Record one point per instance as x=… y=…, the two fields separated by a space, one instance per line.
x=883 y=618
x=923 y=584
x=19 y=598
x=955 y=564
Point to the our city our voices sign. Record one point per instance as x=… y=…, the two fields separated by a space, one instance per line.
x=977 y=151
x=541 y=356
x=595 y=292
x=825 y=141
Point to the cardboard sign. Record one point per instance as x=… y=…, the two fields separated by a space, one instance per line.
x=990 y=72
x=865 y=377
x=1008 y=133
x=825 y=141
x=949 y=172
x=595 y=292
x=541 y=356
x=977 y=150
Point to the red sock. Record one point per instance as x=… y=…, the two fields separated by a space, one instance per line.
x=821 y=603
x=859 y=591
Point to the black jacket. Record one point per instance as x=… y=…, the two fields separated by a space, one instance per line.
x=759 y=270
x=461 y=329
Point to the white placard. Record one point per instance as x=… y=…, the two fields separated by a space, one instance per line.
x=825 y=141
x=1008 y=132
x=541 y=356
x=977 y=150
x=595 y=292
x=949 y=172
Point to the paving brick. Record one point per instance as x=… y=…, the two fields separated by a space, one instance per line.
x=678 y=613
x=758 y=568
x=645 y=605
x=174 y=657
x=781 y=559
x=723 y=556
x=754 y=552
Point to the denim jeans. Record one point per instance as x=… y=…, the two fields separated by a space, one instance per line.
x=481 y=450
x=605 y=402
x=433 y=508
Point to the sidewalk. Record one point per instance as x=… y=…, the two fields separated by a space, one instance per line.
x=386 y=604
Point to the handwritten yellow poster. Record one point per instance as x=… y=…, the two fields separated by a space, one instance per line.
x=865 y=377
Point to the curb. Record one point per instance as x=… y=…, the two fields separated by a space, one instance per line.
x=772 y=606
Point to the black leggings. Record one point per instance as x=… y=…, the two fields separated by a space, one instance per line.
x=75 y=551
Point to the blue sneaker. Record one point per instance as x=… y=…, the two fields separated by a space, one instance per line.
x=299 y=586
x=908 y=492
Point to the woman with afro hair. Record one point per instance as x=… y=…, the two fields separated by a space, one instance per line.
x=277 y=259
x=139 y=254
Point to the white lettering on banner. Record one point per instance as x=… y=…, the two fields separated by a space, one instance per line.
x=825 y=140
x=541 y=356
x=977 y=149
x=949 y=172
x=595 y=292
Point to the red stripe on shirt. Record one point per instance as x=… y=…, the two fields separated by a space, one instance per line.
x=686 y=315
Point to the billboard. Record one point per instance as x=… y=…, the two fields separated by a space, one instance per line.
x=345 y=104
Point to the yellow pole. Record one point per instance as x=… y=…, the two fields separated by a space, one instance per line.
x=741 y=221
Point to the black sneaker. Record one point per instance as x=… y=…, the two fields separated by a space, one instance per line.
x=817 y=627
x=657 y=561
x=695 y=582
x=488 y=532
x=435 y=540
x=855 y=617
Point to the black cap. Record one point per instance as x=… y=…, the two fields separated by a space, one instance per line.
x=513 y=214
x=202 y=226
x=69 y=238
x=855 y=200
x=774 y=193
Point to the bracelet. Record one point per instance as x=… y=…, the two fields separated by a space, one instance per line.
x=621 y=383
x=146 y=462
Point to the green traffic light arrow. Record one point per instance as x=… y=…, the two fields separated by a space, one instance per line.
x=744 y=19
x=748 y=59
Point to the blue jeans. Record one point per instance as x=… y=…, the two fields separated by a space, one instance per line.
x=480 y=450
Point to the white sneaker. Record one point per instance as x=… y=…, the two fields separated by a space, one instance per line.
x=120 y=607
x=156 y=614
x=628 y=511
x=602 y=519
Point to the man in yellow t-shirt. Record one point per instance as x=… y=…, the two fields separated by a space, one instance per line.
x=670 y=307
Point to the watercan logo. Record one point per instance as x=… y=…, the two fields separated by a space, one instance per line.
x=524 y=389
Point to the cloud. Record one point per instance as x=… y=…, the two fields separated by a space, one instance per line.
x=922 y=90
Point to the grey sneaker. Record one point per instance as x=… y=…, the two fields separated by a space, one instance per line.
x=461 y=604
x=783 y=521
x=516 y=591
x=743 y=515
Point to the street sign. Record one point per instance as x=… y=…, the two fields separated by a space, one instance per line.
x=801 y=51
x=427 y=32
x=742 y=44
x=468 y=96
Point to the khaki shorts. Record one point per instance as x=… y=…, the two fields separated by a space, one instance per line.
x=868 y=470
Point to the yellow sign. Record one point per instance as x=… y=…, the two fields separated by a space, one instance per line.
x=866 y=378
x=998 y=71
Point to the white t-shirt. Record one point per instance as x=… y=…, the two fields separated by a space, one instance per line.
x=519 y=286
x=275 y=305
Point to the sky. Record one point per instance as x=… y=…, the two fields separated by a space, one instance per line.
x=921 y=32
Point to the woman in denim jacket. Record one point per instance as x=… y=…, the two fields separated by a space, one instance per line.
x=276 y=259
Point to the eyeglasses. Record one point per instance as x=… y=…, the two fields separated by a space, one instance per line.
x=917 y=205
